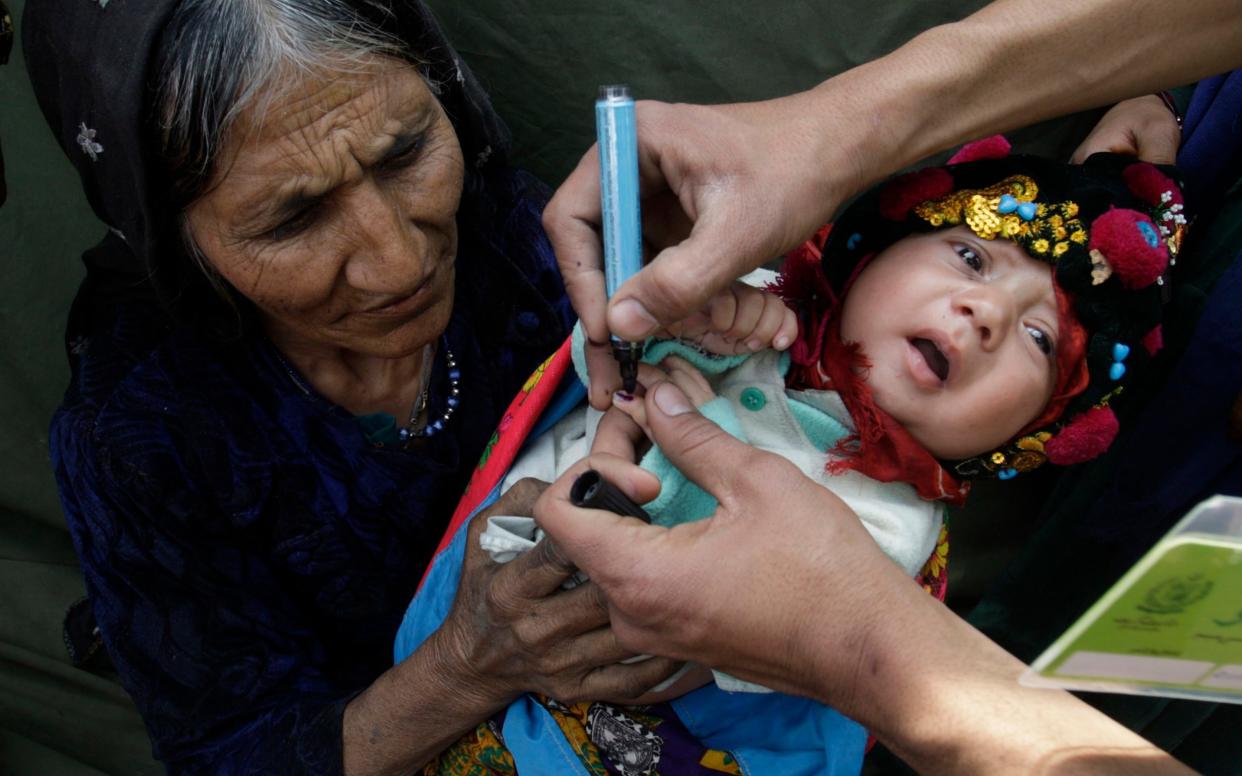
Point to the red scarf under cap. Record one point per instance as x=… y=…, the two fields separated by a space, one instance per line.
x=880 y=447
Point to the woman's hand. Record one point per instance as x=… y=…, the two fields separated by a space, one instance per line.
x=1143 y=127
x=513 y=629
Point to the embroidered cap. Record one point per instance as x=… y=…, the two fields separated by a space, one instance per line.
x=1110 y=228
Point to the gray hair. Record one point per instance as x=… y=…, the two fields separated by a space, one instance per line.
x=221 y=58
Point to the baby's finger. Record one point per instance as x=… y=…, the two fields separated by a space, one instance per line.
x=634 y=410
x=722 y=308
x=769 y=324
x=617 y=433
x=750 y=304
x=788 y=330
x=689 y=379
x=650 y=375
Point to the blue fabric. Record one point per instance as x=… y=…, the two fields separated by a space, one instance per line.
x=1211 y=152
x=247 y=553
x=767 y=733
x=773 y=732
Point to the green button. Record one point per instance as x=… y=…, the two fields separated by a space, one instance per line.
x=753 y=399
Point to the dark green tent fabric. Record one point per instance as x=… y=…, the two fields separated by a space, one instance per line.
x=542 y=60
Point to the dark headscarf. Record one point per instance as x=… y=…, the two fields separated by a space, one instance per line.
x=91 y=65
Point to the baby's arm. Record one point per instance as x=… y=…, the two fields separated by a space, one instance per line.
x=741 y=319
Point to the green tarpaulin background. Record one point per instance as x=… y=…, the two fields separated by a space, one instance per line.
x=542 y=60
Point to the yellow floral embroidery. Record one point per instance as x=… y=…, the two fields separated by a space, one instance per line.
x=936 y=564
x=979 y=209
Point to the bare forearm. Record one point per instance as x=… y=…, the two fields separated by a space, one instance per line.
x=954 y=705
x=1016 y=62
x=413 y=712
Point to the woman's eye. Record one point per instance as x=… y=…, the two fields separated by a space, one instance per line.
x=293 y=226
x=972 y=259
x=1042 y=340
x=403 y=158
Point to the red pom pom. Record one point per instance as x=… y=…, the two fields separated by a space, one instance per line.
x=1132 y=244
x=913 y=188
x=1153 y=341
x=1149 y=184
x=1083 y=438
x=994 y=147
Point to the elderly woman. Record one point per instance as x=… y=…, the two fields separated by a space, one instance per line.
x=321 y=285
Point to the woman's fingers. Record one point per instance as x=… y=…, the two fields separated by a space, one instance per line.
x=622 y=682
x=1142 y=127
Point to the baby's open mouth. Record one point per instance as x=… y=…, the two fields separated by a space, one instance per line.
x=936 y=360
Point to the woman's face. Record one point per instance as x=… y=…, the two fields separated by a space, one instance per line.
x=334 y=213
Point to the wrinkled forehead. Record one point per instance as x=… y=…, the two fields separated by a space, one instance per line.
x=320 y=122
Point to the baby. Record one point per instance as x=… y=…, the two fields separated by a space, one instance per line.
x=960 y=322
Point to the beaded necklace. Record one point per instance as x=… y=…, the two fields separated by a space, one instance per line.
x=410 y=431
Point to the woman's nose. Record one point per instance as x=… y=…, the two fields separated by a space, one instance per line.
x=991 y=311
x=389 y=250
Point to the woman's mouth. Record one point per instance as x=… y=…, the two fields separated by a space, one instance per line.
x=405 y=304
x=932 y=357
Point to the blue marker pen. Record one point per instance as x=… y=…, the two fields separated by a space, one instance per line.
x=618 y=179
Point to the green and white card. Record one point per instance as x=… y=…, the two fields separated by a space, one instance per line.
x=1171 y=627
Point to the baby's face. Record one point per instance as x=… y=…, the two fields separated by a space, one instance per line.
x=961 y=333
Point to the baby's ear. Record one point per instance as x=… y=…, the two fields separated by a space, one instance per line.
x=994 y=147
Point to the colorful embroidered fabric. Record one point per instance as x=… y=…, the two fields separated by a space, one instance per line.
x=606 y=739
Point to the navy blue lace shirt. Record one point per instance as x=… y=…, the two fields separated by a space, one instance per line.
x=248 y=554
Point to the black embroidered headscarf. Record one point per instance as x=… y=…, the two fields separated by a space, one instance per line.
x=91 y=63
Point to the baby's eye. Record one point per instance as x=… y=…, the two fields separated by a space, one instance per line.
x=972 y=259
x=1042 y=340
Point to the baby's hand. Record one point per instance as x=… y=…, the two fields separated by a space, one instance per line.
x=672 y=369
x=740 y=319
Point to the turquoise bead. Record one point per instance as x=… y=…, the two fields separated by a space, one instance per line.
x=1007 y=474
x=1149 y=234
x=1120 y=351
x=853 y=242
x=1027 y=210
x=1117 y=371
x=1008 y=204
x=753 y=399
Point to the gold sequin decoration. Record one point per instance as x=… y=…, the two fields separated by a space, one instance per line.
x=998 y=458
x=1027 y=461
x=978 y=205
x=1045 y=235
x=1033 y=442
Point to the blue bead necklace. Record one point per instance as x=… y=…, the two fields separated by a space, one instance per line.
x=410 y=431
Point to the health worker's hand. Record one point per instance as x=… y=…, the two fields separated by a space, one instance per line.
x=724 y=188
x=732 y=591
